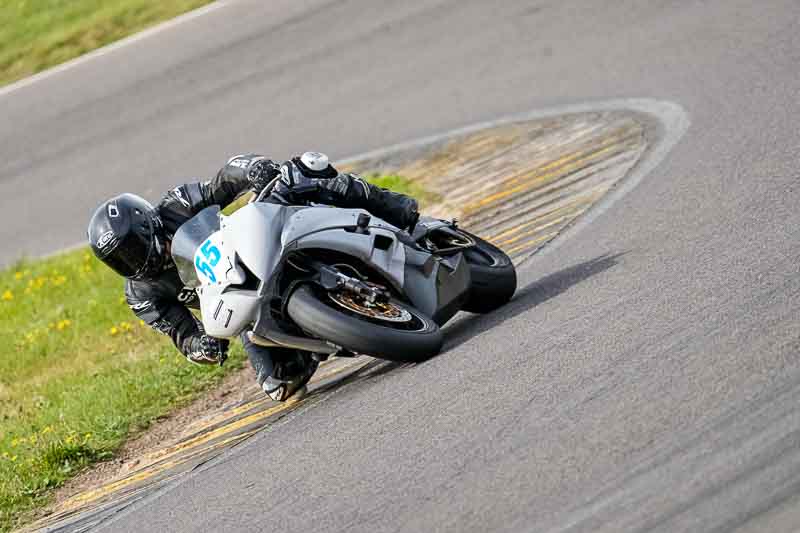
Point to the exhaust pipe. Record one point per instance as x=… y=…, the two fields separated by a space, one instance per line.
x=277 y=339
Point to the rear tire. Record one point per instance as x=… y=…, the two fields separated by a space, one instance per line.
x=494 y=278
x=317 y=314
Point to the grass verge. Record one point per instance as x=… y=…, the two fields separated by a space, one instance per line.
x=37 y=34
x=398 y=183
x=80 y=374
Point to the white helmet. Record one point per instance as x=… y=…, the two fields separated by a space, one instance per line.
x=315 y=161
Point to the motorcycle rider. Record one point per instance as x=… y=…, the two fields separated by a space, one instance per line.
x=133 y=238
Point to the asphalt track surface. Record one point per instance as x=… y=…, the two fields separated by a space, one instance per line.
x=646 y=376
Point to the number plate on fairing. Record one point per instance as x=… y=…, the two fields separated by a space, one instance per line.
x=209 y=262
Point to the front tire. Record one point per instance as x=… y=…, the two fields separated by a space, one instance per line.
x=413 y=340
x=494 y=278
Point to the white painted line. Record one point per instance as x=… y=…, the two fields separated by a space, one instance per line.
x=180 y=19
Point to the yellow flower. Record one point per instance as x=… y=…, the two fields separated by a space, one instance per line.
x=32 y=439
x=62 y=324
x=13 y=458
x=69 y=439
x=18 y=275
x=14 y=443
x=113 y=331
x=87 y=436
x=125 y=326
x=8 y=295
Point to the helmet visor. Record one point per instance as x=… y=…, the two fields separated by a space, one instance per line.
x=135 y=255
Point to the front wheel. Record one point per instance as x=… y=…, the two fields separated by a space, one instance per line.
x=390 y=330
x=494 y=278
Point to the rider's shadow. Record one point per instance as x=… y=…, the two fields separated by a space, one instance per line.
x=528 y=297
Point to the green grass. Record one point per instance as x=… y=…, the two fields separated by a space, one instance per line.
x=398 y=183
x=37 y=34
x=80 y=374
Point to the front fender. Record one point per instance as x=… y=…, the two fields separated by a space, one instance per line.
x=437 y=286
x=379 y=248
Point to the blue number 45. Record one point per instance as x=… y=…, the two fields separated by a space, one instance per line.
x=212 y=256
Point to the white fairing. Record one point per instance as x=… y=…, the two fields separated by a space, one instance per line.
x=254 y=232
x=224 y=314
x=248 y=237
x=255 y=236
x=214 y=261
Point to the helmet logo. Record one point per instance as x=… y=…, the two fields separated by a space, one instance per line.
x=113 y=212
x=104 y=239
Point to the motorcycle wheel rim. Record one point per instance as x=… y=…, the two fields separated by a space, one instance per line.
x=381 y=311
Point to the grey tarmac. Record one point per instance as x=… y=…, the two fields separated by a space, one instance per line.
x=646 y=376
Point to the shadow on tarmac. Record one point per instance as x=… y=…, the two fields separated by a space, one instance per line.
x=473 y=325
x=530 y=296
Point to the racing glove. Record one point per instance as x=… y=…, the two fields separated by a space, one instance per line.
x=207 y=350
x=261 y=173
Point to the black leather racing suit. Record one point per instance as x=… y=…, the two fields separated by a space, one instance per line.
x=163 y=302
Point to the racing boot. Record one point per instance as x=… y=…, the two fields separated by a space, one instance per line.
x=290 y=376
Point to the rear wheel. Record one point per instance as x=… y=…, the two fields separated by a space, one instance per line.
x=389 y=330
x=494 y=278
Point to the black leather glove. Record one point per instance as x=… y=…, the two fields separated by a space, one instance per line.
x=261 y=173
x=207 y=350
x=299 y=191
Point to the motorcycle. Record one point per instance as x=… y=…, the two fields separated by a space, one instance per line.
x=336 y=281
